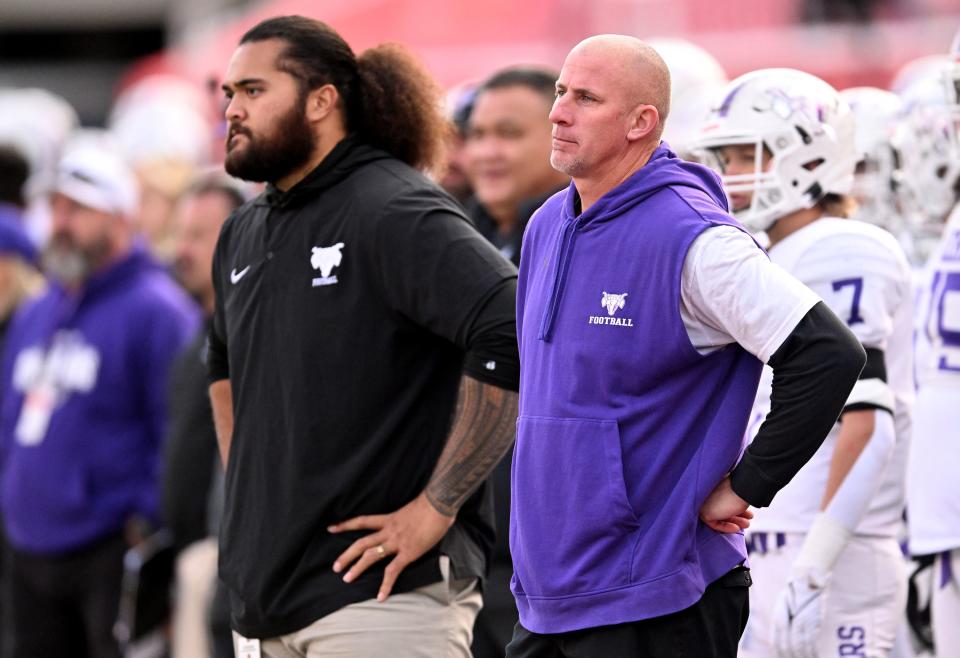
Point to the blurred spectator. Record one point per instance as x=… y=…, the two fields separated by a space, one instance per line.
x=193 y=476
x=508 y=154
x=190 y=458
x=82 y=416
x=508 y=160
x=459 y=104
x=162 y=182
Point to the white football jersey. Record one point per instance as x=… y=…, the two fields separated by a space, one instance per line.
x=933 y=489
x=862 y=274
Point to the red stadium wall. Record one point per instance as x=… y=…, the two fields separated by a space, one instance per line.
x=460 y=40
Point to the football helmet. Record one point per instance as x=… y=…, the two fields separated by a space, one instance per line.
x=162 y=118
x=804 y=126
x=695 y=78
x=951 y=82
x=876 y=113
x=37 y=122
x=929 y=167
x=917 y=69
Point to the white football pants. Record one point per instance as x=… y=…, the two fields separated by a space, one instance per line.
x=864 y=602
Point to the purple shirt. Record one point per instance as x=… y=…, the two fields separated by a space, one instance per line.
x=624 y=427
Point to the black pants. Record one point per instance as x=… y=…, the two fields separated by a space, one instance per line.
x=222 y=638
x=711 y=628
x=67 y=605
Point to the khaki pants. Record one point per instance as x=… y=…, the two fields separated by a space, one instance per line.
x=196 y=581
x=435 y=621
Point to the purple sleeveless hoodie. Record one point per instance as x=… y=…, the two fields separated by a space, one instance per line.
x=624 y=428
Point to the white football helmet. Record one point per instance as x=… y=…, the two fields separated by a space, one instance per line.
x=929 y=172
x=162 y=117
x=804 y=125
x=37 y=122
x=916 y=69
x=951 y=82
x=876 y=113
x=695 y=78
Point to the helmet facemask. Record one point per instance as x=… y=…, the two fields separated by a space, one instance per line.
x=803 y=125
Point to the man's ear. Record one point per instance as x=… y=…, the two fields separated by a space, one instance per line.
x=645 y=121
x=321 y=102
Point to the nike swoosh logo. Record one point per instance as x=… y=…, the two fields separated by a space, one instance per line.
x=236 y=276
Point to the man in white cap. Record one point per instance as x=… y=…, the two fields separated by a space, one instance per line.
x=84 y=377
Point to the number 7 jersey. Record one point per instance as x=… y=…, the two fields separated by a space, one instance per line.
x=933 y=510
x=860 y=272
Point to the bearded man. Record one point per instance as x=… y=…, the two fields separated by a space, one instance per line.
x=83 y=414
x=355 y=303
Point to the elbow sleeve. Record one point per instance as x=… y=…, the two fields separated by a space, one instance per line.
x=814 y=372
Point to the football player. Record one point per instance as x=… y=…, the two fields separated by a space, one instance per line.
x=929 y=171
x=695 y=78
x=933 y=492
x=876 y=112
x=828 y=573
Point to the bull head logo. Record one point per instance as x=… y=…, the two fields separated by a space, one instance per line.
x=613 y=302
x=326 y=258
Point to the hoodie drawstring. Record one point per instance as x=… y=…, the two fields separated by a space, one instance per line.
x=564 y=249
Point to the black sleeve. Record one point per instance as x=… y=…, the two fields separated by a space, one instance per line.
x=492 y=354
x=218 y=364
x=875 y=372
x=814 y=371
x=441 y=274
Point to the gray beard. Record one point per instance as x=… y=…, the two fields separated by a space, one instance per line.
x=69 y=267
x=572 y=168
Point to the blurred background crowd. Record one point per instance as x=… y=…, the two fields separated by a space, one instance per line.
x=115 y=109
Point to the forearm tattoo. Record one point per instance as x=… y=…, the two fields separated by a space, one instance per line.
x=484 y=427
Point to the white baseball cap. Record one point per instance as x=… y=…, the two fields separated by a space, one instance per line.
x=99 y=178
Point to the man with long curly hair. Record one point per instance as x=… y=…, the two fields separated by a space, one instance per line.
x=362 y=342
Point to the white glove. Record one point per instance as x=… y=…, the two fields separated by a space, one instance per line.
x=799 y=611
x=797 y=617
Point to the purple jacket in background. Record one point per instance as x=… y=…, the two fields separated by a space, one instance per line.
x=624 y=427
x=13 y=235
x=104 y=357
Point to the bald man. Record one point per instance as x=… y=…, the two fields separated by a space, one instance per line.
x=645 y=314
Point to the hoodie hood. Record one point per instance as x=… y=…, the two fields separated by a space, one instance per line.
x=663 y=169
